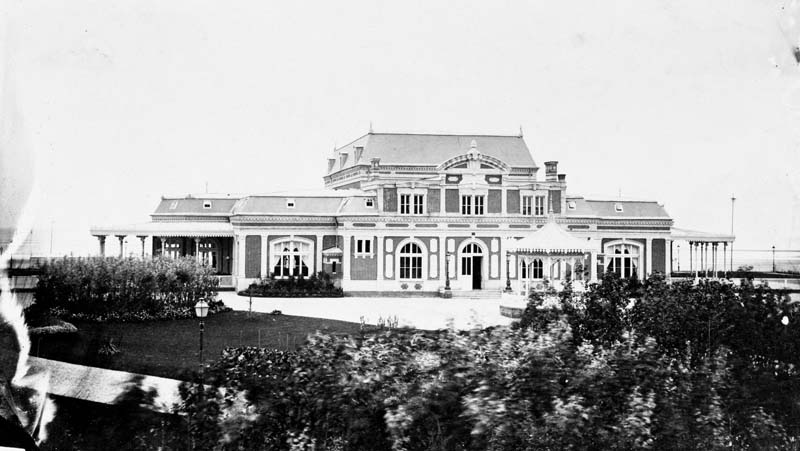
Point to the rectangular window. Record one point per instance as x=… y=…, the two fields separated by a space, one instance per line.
x=539 y=207
x=206 y=204
x=412 y=204
x=527 y=203
x=289 y=203
x=173 y=205
x=418 y=204
x=369 y=202
x=405 y=204
x=364 y=247
x=472 y=205
x=410 y=267
x=466 y=205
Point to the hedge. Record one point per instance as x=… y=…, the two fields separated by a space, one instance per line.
x=318 y=285
x=123 y=289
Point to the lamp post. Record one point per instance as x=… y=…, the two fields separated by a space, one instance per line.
x=508 y=273
x=773 y=258
x=447 y=271
x=201 y=310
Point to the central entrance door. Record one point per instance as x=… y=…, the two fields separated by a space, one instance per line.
x=472 y=265
x=476 y=272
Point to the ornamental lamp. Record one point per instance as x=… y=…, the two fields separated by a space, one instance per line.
x=201 y=309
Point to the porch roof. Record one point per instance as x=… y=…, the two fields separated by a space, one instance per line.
x=697 y=235
x=167 y=229
x=550 y=239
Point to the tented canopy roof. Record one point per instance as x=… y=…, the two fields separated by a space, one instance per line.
x=550 y=239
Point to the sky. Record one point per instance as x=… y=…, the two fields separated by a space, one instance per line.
x=106 y=106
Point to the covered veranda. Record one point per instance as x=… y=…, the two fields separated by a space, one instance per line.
x=549 y=257
x=211 y=243
x=705 y=250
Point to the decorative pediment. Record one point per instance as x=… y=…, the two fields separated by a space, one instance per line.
x=474 y=159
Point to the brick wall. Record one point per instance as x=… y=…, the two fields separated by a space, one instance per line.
x=512 y=201
x=363 y=268
x=451 y=201
x=434 y=200
x=252 y=251
x=659 y=255
x=555 y=200
x=495 y=201
x=390 y=199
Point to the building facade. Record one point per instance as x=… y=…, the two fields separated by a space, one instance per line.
x=410 y=213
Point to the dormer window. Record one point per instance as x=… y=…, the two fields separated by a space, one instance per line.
x=359 y=151
x=331 y=162
x=369 y=202
x=571 y=205
x=342 y=159
x=618 y=207
x=173 y=205
x=289 y=203
x=206 y=205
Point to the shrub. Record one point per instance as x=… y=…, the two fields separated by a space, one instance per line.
x=318 y=284
x=127 y=289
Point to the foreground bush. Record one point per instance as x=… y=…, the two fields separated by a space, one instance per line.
x=123 y=289
x=608 y=370
x=318 y=285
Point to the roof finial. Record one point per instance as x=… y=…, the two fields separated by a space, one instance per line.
x=370 y=127
x=520 y=130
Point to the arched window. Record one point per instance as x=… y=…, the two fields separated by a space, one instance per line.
x=469 y=251
x=537 y=268
x=291 y=258
x=623 y=259
x=534 y=269
x=410 y=261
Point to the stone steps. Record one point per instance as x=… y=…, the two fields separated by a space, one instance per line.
x=476 y=294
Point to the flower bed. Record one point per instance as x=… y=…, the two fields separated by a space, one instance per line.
x=317 y=286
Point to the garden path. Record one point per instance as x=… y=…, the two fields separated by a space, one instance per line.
x=419 y=313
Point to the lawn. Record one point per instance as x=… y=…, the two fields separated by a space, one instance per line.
x=171 y=348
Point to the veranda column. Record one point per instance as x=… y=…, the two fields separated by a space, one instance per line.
x=318 y=256
x=714 y=258
x=547 y=264
x=648 y=260
x=197 y=249
x=121 y=239
x=241 y=262
x=102 y=239
x=380 y=257
x=163 y=246
x=691 y=257
x=346 y=258
x=668 y=260
x=592 y=267
x=142 y=237
x=725 y=258
x=263 y=269
x=697 y=256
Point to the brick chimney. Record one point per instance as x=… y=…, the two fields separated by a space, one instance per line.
x=551 y=171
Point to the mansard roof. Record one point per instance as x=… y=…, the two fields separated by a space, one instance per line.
x=608 y=208
x=195 y=204
x=429 y=149
x=331 y=203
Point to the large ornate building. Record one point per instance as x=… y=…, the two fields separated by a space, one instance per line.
x=412 y=212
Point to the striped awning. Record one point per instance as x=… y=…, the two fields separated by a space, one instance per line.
x=550 y=239
x=168 y=229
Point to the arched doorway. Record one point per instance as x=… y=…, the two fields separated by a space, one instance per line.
x=472 y=259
